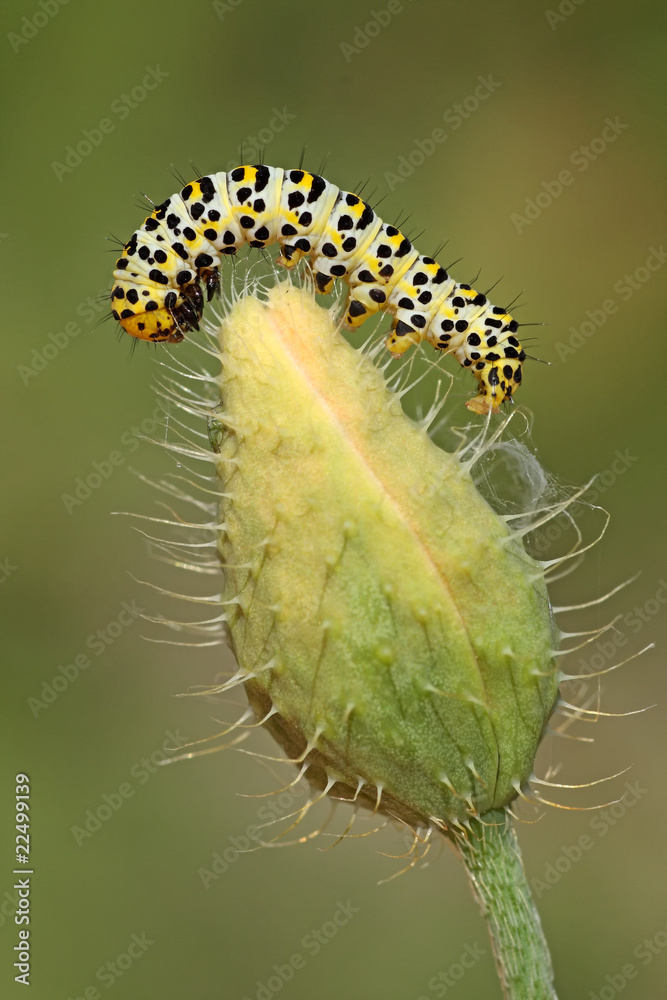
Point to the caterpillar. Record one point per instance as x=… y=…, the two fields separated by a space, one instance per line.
x=157 y=293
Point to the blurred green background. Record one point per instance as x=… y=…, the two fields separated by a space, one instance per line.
x=362 y=86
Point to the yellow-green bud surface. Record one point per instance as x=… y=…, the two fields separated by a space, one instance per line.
x=377 y=603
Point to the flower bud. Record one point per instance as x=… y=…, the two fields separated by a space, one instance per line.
x=395 y=635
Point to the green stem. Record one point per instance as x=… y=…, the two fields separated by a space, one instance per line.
x=492 y=858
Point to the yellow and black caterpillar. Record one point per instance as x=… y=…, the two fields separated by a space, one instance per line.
x=157 y=294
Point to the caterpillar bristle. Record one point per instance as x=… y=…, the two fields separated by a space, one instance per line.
x=176 y=174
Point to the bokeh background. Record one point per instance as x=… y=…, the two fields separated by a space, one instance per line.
x=362 y=86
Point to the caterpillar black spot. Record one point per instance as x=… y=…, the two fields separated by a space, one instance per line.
x=157 y=293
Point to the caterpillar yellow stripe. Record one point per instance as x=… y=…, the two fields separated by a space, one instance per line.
x=157 y=293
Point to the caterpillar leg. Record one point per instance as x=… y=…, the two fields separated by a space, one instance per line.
x=364 y=301
x=211 y=280
x=401 y=338
x=291 y=254
x=323 y=282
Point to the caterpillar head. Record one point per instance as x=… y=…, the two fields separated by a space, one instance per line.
x=163 y=316
x=497 y=382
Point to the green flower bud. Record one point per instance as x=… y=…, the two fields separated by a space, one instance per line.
x=388 y=625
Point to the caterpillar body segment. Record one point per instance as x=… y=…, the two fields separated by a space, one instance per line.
x=158 y=295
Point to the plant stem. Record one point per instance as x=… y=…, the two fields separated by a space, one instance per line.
x=492 y=858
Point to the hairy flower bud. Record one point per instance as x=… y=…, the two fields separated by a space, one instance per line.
x=388 y=625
